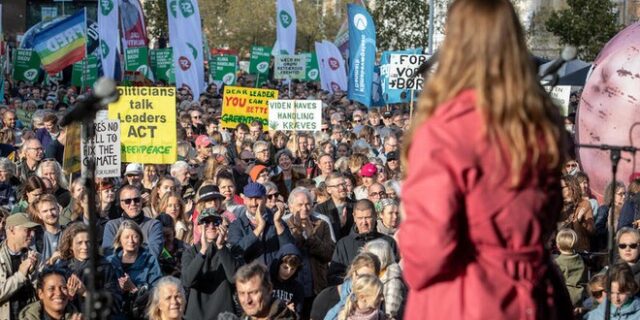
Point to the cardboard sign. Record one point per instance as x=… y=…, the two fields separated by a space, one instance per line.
x=105 y=148
x=162 y=65
x=147 y=124
x=26 y=66
x=71 y=161
x=245 y=105
x=223 y=68
x=290 y=67
x=561 y=97
x=295 y=115
x=137 y=59
x=260 y=58
x=403 y=69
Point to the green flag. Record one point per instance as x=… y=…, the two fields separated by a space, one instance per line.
x=26 y=66
x=162 y=65
x=89 y=76
x=260 y=57
x=223 y=68
x=137 y=59
x=313 y=72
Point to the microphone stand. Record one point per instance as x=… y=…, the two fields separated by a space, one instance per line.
x=615 y=156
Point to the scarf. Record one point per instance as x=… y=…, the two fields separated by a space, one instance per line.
x=137 y=219
x=371 y=315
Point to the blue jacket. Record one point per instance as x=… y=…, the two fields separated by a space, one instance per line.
x=244 y=242
x=628 y=311
x=44 y=137
x=144 y=271
x=151 y=231
x=628 y=213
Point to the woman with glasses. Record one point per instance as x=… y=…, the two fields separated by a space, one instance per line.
x=628 y=240
x=613 y=192
x=625 y=305
x=273 y=197
x=576 y=213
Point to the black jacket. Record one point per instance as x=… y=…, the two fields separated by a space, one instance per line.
x=209 y=280
x=348 y=248
x=328 y=208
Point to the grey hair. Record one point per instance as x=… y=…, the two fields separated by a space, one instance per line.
x=285 y=152
x=219 y=149
x=342 y=164
x=393 y=185
x=152 y=307
x=39 y=115
x=258 y=144
x=8 y=165
x=270 y=186
x=124 y=225
x=177 y=166
x=299 y=190
x=60 y=178
x=626 y=230
x=381 y=249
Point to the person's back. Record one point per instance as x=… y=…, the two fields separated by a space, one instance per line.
x=571 y=265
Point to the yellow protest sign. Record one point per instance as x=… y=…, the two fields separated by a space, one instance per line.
x=71 y=162
x=147 y=124
x=245 y=105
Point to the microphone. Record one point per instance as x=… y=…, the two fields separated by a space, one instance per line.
x=427 y=65
x=568 y=53
x=104 y=92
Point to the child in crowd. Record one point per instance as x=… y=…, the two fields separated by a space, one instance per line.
x=571 y=264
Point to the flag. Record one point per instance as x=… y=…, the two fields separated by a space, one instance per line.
x=342 y=38
x=362 y=54
x=185 y=35
x=108 y=32
x=63 y=43
x=333 y=75
x=134 y=32
x=377 y=98
x=285 y=28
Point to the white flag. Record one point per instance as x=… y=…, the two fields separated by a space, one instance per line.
x=286 y=28
x=108 y=32
x=333 y=74
x=185 y=36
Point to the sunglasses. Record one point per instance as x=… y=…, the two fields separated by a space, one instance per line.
x=571 y=165
x=597 y=294
x=135 y=200
x=272 y=196
x=215 y=221
x=630 y=245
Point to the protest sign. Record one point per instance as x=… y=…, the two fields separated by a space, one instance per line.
x=137 y=59
x=295 y=115
x=290 y=67
x=312 y=69
x=260 y=57
x=403 y=70
x=147 y=124
x=223 y=68
x=85 y=73
x=26 y=66
x=162 y=65
x=561 y=97
x=245 y=105
x=105 y=148
x=24 y=116
x=71 y=162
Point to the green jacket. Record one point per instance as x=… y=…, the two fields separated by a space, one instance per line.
x=34 y=311
x=574 y=273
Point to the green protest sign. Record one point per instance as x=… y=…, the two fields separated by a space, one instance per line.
x=260 y=57
x=162 y=65
x=89 y=76
x=53 y=79
x=313 y=72
x=26 y=66
x=24 y=116
x=223 y=68
x=136 y=59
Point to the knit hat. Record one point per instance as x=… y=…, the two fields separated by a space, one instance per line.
x=368 y=170
x=255 y=172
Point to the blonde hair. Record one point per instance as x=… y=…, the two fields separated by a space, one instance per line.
x=127 y=224
x=517 y=113
x=364 y=259
x=566 y=239
x=366 y=288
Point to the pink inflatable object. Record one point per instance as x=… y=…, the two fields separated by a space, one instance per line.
x=609 y=108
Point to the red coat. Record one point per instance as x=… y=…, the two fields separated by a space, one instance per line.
x=472 y=248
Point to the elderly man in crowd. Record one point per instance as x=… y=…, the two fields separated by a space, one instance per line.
x=254 y=287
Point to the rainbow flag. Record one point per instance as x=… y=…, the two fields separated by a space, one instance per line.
x=63 y=43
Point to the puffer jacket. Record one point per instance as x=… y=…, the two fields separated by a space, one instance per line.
x=33 y=311
x=394 y=291
x=628 y=311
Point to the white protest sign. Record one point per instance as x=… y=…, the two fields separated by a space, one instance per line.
x=106 y=149
x=403 y=69
x=290 y=67
x=295 y=115
x=561 y=97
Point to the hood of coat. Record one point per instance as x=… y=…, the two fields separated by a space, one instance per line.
x=286 y=250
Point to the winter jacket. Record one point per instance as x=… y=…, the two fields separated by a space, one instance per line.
x=574 y=273
x=348 y=248
x=629 y=311
x=34 y=311
x=290 y=290
x=394 y=290
x=10 y=282
x=151 y=232
x=277 y=311
x=8 y=196
x=209 y=279
x=278 y=180
x=344 y=289
x=145 y=271
x=328 y=208
x=244 y=242
x=44 y=137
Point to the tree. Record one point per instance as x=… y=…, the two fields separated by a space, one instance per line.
x=586 y=24
x=156 y=18
x=401 y=24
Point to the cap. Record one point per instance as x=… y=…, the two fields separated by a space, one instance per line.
x=203 y=141
x=254 y=190
x=368 y=170
x=392 y=156
x=255 y=172
x=634 y=176
x=208 y=213
x=387 y=114
x=133 y=168
x=105 y=184
x=20 y=220
x=209 y=192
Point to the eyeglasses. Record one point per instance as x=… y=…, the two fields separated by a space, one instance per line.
x=382 y=194
x=324 y=129
x=196 y=117
x=625 y=245
x=135 y=200
x=571 y=165
x=342 y=185
x=272 y=196
x=597 y=294
x=215 y=221
x=248 y=159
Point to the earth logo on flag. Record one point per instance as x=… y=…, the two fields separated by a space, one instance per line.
x=228 y=78
x=285 y=19
x=104 y=48
x=31 y=74
x=105 y=7
x=360 y=21
x=186 y=7
x=333 y=63
x=184 y=63
x=262 y=67
x=313 y=73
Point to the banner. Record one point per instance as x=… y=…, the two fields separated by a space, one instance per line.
x=259 y=61
x=108 y=33
x=313 y=72
x=63 y=43
x=377 y=98
x=105 y=149
x=290 y=67
x=147 y=124
x=137 y=59
x=71 y=160
x=26 y=66
x=403 y=69
x=342 y=37
x=286 y=26
x=24 y=116
x=185 y=34
x=333 y=75
x=134 y=31
x=295 y=115
x=85 y=73
x=224 y=68
x=162 y=65
x=561 y=97
x=245 y=105
x=390 y=95
x=362 y=54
